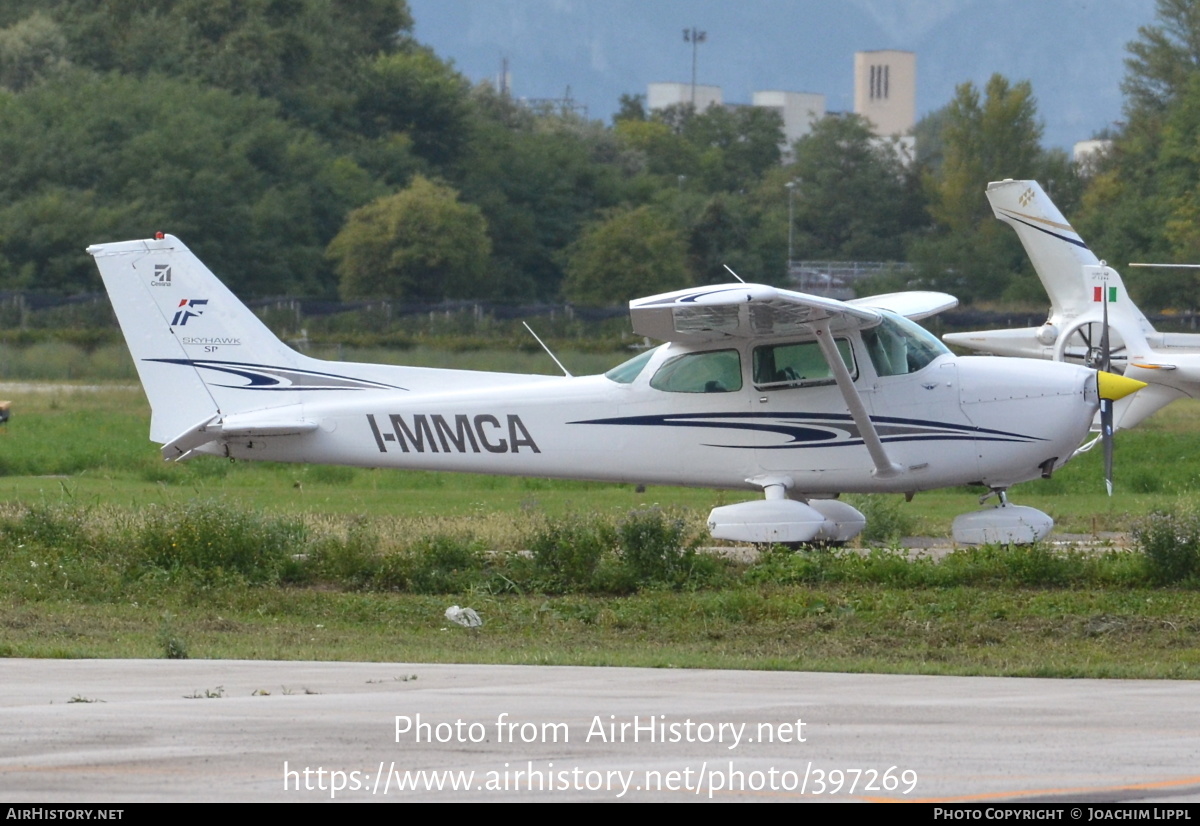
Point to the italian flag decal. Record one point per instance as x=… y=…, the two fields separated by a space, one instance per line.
x=1098 y=294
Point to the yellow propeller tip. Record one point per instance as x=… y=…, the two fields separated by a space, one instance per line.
x=1112 y=386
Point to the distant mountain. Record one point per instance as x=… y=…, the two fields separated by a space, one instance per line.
x=1073 y=51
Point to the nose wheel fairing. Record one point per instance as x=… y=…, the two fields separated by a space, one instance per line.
x=1003 y=524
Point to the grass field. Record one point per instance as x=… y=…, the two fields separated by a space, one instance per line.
x=83 y=492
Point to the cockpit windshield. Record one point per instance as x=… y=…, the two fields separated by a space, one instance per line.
x=899 y=346
x=627 y=371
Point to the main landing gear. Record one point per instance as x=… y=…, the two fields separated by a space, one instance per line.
x=780 y=520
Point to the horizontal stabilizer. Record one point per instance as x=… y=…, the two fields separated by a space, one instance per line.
x=181 y=446
x=184 y=445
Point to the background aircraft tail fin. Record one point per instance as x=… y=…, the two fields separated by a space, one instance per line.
x=1057 y=252
x=1077 y=282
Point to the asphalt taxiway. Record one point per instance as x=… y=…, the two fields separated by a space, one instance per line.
x=211 y=730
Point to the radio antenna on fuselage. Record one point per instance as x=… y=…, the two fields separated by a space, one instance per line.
x=566 y=372
x=734 y=274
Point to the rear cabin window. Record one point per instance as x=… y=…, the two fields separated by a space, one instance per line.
x=715 y=371
x=778 y=366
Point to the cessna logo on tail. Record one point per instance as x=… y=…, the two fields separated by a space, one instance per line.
x=454 y=433
x=162 y=276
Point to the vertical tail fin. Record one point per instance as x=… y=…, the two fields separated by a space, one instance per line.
x=1057 y=252
x=191 y=339
x=1075 y=279
x=204 y=359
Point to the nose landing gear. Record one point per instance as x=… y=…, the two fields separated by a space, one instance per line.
x=1002 y=524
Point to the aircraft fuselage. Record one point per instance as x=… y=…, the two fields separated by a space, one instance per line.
x=955 y=421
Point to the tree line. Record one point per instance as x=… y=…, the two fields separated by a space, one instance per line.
x=314 y=147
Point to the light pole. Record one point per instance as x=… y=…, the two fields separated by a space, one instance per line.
x=695 y=38
x=791 y=188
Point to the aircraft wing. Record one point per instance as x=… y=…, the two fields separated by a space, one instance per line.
x=742 y=311
x=914 y=304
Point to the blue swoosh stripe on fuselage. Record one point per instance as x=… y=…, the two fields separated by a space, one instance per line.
x=834 y=433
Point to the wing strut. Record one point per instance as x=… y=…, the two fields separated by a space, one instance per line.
x=884 y=467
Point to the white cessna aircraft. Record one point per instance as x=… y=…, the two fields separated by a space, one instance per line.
x=757 y=388
x=1083 y=291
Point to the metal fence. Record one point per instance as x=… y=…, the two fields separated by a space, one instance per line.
x=23 y=310
x=839 y=279
x=20 y=310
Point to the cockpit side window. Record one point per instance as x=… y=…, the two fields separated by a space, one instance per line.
x=899 y=346
x=713 y=371
x=778 y=366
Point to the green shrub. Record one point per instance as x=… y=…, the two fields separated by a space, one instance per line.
x=785 y=566
x=173 y=647
x=781 y=565
x=567 y=554
x=886 y=521
x=891 y=567
x=432 y=564
x=987 y=565
x=1038 y=565
x=50 y=526
x=1034 y=565
x=1170 y=545
x=441 y=564
x=209 y=541
x=354 y=561
x=656 y=550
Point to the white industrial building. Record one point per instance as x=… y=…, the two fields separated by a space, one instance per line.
x=662 y=95
x=885 y=93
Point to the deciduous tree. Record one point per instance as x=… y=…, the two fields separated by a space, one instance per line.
x=855 y=197
x=1144 y=200
x=256 y=196
x=628 y=254
x=30 y=50
x=985 y=137
x=420 y=244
